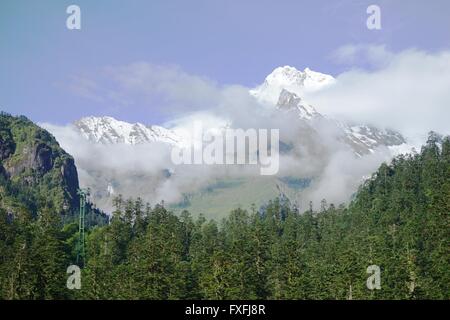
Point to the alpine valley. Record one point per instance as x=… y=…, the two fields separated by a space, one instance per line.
x=311 y=138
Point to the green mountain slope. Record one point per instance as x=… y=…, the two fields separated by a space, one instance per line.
x=219 y=198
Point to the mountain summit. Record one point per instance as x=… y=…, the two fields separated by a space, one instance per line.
x=290 y=79
x=285 y=88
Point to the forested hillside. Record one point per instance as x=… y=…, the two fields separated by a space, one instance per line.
x=398 y=220
x=38 y=198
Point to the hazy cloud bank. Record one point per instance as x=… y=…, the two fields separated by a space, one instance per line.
x=406 y=91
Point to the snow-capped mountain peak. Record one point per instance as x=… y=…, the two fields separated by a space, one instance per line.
x=108 y=130
x=291 y=79
x=285 y=89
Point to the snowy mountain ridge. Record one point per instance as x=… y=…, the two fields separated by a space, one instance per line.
x=108 y=130
x=283 y=89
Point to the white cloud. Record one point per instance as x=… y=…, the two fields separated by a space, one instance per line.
x=409 y=92
x=374 y=55
x=165 y=89
x=168 y=81
x=85 y=87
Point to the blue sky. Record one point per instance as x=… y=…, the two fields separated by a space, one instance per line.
x=229 y=42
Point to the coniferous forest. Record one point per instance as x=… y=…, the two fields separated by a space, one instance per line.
x=398 y=220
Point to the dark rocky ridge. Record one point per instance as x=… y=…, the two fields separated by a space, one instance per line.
x=33 y=165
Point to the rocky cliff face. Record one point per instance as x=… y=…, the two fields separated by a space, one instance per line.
x=33 y=165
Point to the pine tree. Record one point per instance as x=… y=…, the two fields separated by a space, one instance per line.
x=49 y=256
